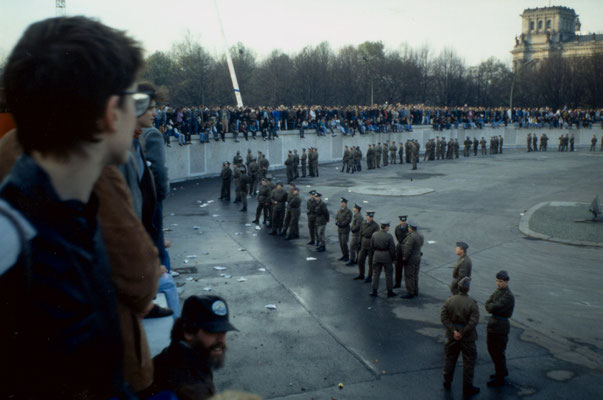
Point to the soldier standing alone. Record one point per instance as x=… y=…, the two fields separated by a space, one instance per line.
x=500 y=304
x=460 y=316
x=384 y=251
x=343 y=220
x=462 y=267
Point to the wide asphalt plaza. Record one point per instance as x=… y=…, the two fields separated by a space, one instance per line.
x=326 y=330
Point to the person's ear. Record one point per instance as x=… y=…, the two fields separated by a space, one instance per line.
x=108 y=121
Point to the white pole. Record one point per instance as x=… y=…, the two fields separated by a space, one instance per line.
x=233 y=75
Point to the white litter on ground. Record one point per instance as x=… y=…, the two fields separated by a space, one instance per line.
x=216 y=215
x=310 y=259
x=258 y=228
x=189 y=278
x=364 y=201
x=238 y=233
x=247 y=224
x=196 y=228
x=242 y=249
x=207 y=289
x=271 y=306
x=262 y=269
x=186 y=261
x=218 y=268
x=209 y=201
x=174 y=224
x=241 y=280
x=431 y=241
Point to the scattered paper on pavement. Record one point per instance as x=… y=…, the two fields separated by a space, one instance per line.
x=218 y=268
x=271 y=306
x=310 y=259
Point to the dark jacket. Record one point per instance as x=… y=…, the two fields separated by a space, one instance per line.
x=411 y=248
x=356 y=224
x=70 y=339
x=322 y=213
x=181 y=369
x=366 y=231
x=343 y=220
x=500 y=304
x=382 y=244
x=460 y=313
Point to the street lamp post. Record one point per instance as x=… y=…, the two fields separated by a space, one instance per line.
x=519 y=68
x=371 y=77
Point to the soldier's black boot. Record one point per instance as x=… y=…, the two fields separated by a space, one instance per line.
x=350 y=263
x=391 y=294
x=321 y=249
x=345 y=259
x=310 y=242
x=368 y=279
x=342 y=258
x=470 y=391
x=373 y=293
x=359 y=277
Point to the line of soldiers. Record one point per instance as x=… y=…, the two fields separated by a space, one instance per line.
x=532 y=142
x=308 y=161
x=382 y=155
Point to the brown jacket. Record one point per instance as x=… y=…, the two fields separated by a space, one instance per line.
x=134 y=264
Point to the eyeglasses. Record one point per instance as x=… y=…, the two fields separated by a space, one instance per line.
x=142 y=101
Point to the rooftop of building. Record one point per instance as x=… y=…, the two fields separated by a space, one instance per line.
x=554 y=8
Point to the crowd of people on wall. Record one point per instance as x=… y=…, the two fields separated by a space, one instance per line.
x=265 y=122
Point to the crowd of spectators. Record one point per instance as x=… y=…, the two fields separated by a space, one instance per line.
x=265 y=122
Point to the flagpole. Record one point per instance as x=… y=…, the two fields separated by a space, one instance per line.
x=233 y=75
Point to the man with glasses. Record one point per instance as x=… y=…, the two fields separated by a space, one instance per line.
x=58 y=293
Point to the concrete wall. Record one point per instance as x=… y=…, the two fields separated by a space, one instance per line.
x=205 y=159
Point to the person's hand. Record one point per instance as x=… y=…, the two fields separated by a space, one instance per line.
x=457 y=335
x=167 y=243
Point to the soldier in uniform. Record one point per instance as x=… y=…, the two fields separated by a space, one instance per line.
x=316 y=161
x=236 y=175
x=279 y=198
x=483 y=145
x=529 y=142
x=249 y=158
x=500 y=144
x=534 y=142
x=385 y=154
x=384 y=251
x=272 y=186
x=456 y=148
x=357 y=158
x=311 y=213
x=226 y=176
x=438 y=148
x=264 y=165
x=304 y=158
x=289 y=166
x=475 y=146
x=411 y=258
x=243 y=187
x=311 y=162
x=295 y=164
x=370 y=157
x=414 y=154
x=460 y=316
x=355 y=228
x=293 y=208
x=288 y=210
x=392 y=152
x=263 y=204
x=400 y=232
x=401 y=153
x=366 y=233
x=462 y=267
x=500 y=304
x=378 y=152
x=237 y=159
x=346 y=159
x=343 y=220
x=467 y=148
x=593 y=143
x=322 y=218
x=254 y=173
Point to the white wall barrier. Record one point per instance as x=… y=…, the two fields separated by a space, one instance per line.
x=205 y=159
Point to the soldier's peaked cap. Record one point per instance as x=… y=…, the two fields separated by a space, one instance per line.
x=312 y=192
x=370 y=213
x=384 y=224
x=412 y=223
x=318 y=194
x=403 y=217
x=343 y=200
x=502 y=275
x=356 y=206
x=462 y=245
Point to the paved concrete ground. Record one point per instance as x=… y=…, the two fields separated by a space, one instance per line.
x=326 y=330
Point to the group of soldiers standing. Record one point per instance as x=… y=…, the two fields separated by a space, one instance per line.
x=460 y=316
x=382 y=155
x=309 y=164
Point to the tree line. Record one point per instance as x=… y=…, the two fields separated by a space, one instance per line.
x=320 y=75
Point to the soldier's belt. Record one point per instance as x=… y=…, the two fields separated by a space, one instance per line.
x=459 y=325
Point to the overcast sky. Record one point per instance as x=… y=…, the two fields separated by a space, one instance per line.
x=476 y=29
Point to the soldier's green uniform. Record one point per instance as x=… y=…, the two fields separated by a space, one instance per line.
x=401 y=153
x=500 y=304
x=355 y=229
x=279 y=198
x=475 y=146
x=236 y=175
x=343 y=220
x=461 y=270
x=311 y=162
x=384 y=251
x=263 y=203
x=226 y=176
x=414 y=154
x=347 y=156
x=237 y=159
x=254 y=174
x=357 y=158
x=378 y=152
x=264 y=165
x=400 y=232
x=392 y=152
x=385 y=154
x=482 y=143
x=316 y=162
x=411 y=258
x=460 y=313
x=289 y=166
x=311 y=213
x=322 y=218
x=243 y=188
x=295 y=164
x=287 y=212
x=304 y=158
x=370 y=157
x=249 y=158
x=366 y=233
x=272 y=186
x=294 y=209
